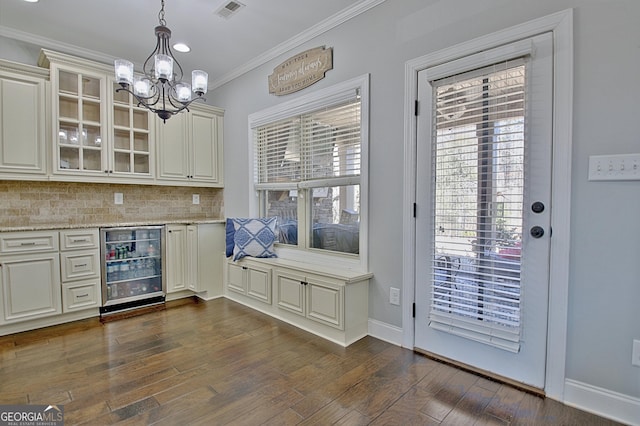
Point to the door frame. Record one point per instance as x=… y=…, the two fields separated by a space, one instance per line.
x=561 y=26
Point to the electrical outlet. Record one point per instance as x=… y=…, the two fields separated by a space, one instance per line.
x=118 y=198
x=196 y=198
x=635 y=353
x=394 y=296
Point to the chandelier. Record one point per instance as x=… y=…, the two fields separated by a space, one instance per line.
x=161 y=89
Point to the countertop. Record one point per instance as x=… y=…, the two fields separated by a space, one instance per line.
x=52 y=226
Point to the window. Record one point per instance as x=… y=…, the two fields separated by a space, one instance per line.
x=479 y=159
x=310 y=172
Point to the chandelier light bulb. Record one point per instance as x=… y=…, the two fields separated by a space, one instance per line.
x=141 y=87
x=199 y=81
x=164 y=67
x=183 y=90
x=124 y=71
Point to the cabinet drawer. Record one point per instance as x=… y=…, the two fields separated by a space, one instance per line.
x=81 y=295
x=79 y=239
x=80 y=265
x=28 y=242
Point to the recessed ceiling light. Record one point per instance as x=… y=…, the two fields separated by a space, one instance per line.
x=181 y=47
x=31 y=1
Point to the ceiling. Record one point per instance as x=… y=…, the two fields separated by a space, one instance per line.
x=225 y=48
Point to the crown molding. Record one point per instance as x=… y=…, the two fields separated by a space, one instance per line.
x=312 y=32
x=46 y=43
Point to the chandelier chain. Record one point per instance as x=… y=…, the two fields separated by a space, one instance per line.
x=161 y=14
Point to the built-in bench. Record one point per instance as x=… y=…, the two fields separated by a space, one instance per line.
x=330 y=302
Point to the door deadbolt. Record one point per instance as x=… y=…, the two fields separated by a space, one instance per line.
x=537 y=232
x=537 y=207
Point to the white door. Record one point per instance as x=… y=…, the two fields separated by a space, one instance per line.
x=483 y=210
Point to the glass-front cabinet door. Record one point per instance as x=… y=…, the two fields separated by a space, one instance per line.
x=80 y=121
x=131 y=153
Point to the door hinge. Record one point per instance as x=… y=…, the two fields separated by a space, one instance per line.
x=414 y=310
x=415 y=108
x=415 y=208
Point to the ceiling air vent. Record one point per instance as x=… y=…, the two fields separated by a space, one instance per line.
x=229 y=9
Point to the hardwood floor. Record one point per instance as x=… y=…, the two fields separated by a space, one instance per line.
x=218 y=362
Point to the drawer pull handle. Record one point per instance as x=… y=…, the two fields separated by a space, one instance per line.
x=81 y=266
x=83 y=295
x=80 y=240
x=28 y=244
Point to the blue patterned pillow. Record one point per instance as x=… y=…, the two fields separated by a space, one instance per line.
x=230 y=232
x=254 y=237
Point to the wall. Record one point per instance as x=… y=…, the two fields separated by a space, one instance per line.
x=605 y=233
x=27 y=204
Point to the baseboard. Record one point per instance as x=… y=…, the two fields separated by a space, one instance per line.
x=387 y=332
x=603 y=402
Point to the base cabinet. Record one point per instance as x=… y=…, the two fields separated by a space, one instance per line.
x=330 y=303
x=253 y=281
x=193 y=262
x=80 y=269
x=29 y=276
x=30 y=287
x=176 y=258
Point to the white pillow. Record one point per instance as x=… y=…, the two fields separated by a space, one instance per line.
x=254 y=237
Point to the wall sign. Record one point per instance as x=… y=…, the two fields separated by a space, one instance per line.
x=300 y=71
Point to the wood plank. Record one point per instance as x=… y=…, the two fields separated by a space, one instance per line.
x=219 y=362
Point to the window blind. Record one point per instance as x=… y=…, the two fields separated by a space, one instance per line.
x=479 y=159
x=320 y=145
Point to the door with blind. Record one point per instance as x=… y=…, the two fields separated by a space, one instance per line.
x=483 y=210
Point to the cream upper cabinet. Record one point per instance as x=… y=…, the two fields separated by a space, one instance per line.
x=22 y=121
x=98 y=135
x=190 y=147
x=132 y=136
x=79 y=122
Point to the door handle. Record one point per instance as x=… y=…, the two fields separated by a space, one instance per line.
x=537 y=231
x=537 y=207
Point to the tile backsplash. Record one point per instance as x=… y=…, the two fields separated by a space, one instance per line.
x=25 y=203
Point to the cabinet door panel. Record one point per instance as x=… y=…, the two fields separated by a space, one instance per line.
x=291 y=293
x=30 y=287
x=176 y=260
x=325 y=303
x=22 y=126
x=259 y=284
x=235 y=278
x=193 y=279
x=173 y=161
x=204 y=155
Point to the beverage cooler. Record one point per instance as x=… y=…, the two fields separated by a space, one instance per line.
x=132 y=267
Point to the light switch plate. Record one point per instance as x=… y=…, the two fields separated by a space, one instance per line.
x=394 y=296
x=614 y=167
x=118 y=198
x=196 y=198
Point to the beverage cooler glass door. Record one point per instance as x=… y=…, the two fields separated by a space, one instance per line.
x=132 y=267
